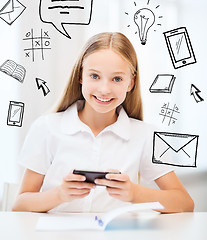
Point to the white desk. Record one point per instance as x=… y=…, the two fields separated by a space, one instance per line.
x=182 y=226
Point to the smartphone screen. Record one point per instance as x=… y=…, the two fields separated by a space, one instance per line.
x=15 y=114
x=179 y=47
x=92 y=175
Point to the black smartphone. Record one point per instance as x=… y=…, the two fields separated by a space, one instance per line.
x=92 y=175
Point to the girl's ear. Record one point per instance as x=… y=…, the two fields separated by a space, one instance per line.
x=131 y=84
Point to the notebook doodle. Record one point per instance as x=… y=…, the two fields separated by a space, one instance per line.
x=163 y=83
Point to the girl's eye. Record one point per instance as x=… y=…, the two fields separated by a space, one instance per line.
x=117 y=79
x=94 y=76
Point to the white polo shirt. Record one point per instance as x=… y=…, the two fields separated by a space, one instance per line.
x=57 y=143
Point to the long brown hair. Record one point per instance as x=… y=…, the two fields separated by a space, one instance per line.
x=121 y=45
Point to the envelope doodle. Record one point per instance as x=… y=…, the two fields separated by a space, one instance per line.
x=175 y=149
x=10 y=10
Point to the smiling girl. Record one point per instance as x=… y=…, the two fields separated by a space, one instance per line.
x=97 y=126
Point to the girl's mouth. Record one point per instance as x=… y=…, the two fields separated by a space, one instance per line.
x=103 y=100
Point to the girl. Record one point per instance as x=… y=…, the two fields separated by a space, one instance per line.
x=98 y=126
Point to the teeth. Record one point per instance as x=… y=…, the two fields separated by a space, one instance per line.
x=104 y=99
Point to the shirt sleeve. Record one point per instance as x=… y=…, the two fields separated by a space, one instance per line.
x=150 y=171
x=34 y=154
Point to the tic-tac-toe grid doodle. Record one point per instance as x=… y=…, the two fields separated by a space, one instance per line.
x=169 y=113
x=37 y=44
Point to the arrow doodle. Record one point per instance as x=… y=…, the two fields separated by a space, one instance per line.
x=195 y=92
x=42 y=84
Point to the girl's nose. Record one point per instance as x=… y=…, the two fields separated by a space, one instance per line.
x=105 y=86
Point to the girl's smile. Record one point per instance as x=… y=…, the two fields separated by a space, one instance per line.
x=106 y=79
x=102 y=100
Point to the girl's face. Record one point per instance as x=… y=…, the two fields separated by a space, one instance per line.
x=106 y=79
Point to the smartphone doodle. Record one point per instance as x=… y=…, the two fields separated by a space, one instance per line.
x=15 y=114
x=180 y=48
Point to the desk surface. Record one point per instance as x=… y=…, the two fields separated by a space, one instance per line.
x=180 y=226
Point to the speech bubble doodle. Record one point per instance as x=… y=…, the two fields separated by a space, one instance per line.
x=60 y=12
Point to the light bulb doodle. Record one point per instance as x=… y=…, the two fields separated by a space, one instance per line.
x=144 y=18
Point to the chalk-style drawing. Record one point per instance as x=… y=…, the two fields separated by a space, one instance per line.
x=41 y=84
x=10 y=10
x=175 y=149
x=195 y=92
x=14 y=70
x=15 y=114
x=60 y=12
x=144 y=19
x=163 y=83
x=168 y=113
x=179 y=47
x=36 y=44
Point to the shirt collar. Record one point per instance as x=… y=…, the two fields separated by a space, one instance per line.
x=122 y=126
x=71 y=124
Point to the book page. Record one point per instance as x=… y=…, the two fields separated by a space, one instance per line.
x=19 y=73
x=66 y=222
x=8 y=67
x=107 y=217
x=53 y=222
x=14 y=70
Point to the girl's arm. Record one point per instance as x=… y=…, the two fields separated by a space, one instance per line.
x=172 y=194
x=31 y=199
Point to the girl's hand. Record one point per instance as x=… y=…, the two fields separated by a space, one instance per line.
x=118 y=186
x=74 y=187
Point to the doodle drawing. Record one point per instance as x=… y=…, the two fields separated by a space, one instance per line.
x=163 y=83
x=15 y=114
x=37 y=44
x=144 y=19
x=179 y=47
x=175 y=149
x=14 y=70
x=10 y=10
x=41 y=84
x=195 y=92
x=168 y=113
x=59 y=13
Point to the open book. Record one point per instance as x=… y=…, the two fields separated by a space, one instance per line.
x=89 y=222
x=14 y=70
